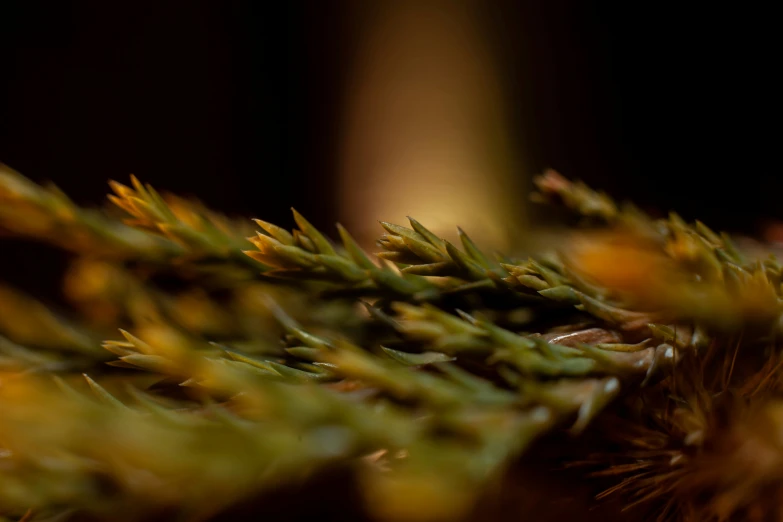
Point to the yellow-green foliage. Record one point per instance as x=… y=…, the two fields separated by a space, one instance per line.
x=428 y=369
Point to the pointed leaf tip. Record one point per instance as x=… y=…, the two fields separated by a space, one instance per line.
x=355 y=252
x=322 y=245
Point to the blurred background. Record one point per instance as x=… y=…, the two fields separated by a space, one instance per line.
x=356 y=110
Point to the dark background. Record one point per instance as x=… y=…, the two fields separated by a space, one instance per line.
x=238 y=102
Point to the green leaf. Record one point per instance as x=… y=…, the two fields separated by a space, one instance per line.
x=432 y=238
x=353 y=249
x=102 y=394
x=473 y=251
x=279 y=233
x=322 y=245
x=402 y=232
x=473 y=269
x=416 y=359
x=424 y=251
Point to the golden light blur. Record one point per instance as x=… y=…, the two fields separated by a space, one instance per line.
x=425 y=126
x=623 y=262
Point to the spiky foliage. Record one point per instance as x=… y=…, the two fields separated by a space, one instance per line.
x=703 y=444
x=427 y=370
